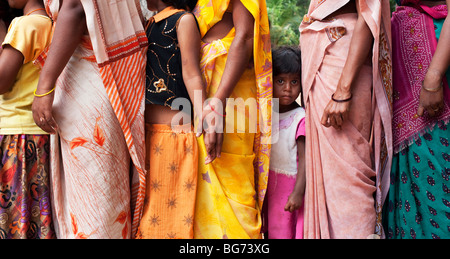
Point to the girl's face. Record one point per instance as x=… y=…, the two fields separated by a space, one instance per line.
x=286 y=88
x=17 y=4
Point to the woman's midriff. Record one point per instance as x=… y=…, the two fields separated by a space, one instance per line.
x=158 y=114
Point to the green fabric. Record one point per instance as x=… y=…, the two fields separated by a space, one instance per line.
x=418 y=203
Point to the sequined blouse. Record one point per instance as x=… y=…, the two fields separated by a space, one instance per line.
x=164 y=79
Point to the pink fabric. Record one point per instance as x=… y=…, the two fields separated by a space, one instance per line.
x=413 y=47
x=301 y=131
x=437 y=12
x=282 y=224
x=347 y=170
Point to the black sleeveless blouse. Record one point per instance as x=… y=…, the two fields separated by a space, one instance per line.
x=164 y=78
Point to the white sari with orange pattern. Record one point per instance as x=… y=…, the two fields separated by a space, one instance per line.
x=347 y=170
x=97 y=165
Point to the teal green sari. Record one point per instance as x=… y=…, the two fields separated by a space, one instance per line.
x=418 y=203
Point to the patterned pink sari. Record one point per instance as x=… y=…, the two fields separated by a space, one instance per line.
x=347 y=170
x=416 y=41
x=98 y=153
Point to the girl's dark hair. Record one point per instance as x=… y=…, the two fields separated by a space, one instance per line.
x=286 y=60
x=182 y=4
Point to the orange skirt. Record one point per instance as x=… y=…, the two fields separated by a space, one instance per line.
x=172 y=166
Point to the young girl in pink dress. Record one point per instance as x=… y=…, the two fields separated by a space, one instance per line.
x=286 y=185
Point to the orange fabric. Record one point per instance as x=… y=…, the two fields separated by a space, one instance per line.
x=172 y=162
x=128 y=106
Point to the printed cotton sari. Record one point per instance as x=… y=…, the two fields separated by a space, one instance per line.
x=99 y=109
x=346 y=170
x=419 y=201
x=231 y=189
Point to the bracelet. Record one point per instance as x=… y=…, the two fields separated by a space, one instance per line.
x=433 y=90
x=341 y=101
x=42 y=95
x=212 y=108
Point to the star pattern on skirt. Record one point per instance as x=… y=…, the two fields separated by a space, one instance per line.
x=155 y=185
x=189 y=185
x=172 y=203
x=188 y=150
x=154 y=220
x=173 y=168
x=188 y=220
x=157 y=149
x=172 y=235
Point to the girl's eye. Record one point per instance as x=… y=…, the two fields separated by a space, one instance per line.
x=280 y=81
x=294 y=82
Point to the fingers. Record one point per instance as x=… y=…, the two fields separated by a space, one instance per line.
x=325 y=121
x=420 y=110
x=219 y=143
x=288 y=207
x=335 y=114
x=430 y=102
x=46 y=122
x=333 y=120
x=291 y=207
x=431 y=110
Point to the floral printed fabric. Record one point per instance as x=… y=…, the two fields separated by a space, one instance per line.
x=25 y=210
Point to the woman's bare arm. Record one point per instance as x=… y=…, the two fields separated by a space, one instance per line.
x=70 y=27
x=190 y=41
x=361 y=44
x=433 y=101
x=241 y=50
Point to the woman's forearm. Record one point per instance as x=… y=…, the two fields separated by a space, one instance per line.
x=360 y=47
x=441 y=58
x=69 y=29
x=241 y=50
x=238 y=60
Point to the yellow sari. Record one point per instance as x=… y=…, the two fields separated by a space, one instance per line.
x=231 y=189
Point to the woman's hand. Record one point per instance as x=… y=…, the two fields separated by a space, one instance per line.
x=431 y=95
x=212 y=123
x=43 y=113
x=337 y=110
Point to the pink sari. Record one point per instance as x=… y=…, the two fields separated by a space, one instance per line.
x=347 y=170
x=415 y=41
x=99 y=109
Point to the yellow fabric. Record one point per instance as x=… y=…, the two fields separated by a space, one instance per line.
x=231 y=189
x=30 y=35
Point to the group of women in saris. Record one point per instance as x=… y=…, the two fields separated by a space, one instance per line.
x=96 y=115
x=362 y=118
x=376 y=102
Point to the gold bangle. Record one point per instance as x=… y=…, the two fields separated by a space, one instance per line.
x=42 y=95
x=433 y=90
